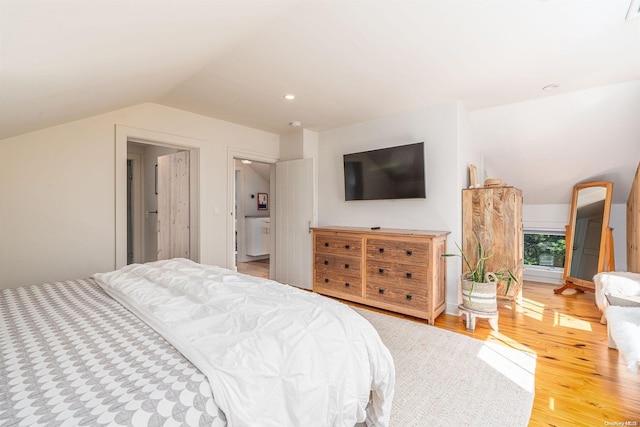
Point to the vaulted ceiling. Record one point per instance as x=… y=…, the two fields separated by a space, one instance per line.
x=346 y=61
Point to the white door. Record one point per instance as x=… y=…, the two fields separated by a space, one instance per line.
x=173 y=206
x=295 y=212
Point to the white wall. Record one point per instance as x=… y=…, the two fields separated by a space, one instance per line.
x=57 y=191
x=547 y=145
x=545 y=217
x=438 y=127
x=292 y=145
x=251 y=185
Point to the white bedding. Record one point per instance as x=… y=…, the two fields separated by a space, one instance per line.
x=274 y=355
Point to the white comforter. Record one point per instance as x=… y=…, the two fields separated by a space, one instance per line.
x=274 y=355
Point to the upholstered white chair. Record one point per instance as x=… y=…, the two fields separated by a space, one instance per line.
x=618 y=297
x=617 y=284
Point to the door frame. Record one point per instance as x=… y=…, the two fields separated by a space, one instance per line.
x=232 y=154
x=137 y=207
x=124 y=134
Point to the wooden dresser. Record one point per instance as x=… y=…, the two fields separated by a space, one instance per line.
x=397 y=270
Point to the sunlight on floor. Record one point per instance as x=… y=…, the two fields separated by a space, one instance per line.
x=567 y=321
x=505 y=340
x=535 y=310
x=552 y=403
x=532 y=309
x=516 y=365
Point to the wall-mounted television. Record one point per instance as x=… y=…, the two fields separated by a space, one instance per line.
x=387 y=173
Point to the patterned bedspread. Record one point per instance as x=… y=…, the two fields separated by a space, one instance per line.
x=71 y=355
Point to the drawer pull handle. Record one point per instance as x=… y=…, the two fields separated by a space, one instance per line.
x=326 y=280
x=381 y=291
x=347 y=246
x=346 y=285
x=326 y=244
x=326 y=262
x=381 y=270
x=409 y=275
x=381 y=250
x=346 y=266
x=408 y=297
x=409 y=253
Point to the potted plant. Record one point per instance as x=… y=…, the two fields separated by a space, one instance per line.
x=479 y=286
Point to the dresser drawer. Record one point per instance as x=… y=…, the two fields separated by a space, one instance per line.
x=336 y=282
x=348 y=266
x=412 y=295
x=338 y=244
x=400 y=251
x=402 y=274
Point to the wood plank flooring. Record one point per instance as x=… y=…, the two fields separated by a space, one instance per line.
x=258 y=268
x=579 y=380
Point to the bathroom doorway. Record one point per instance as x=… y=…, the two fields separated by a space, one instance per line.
x=252 y=206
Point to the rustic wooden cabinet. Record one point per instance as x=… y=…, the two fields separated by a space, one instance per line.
x=397 y=270
x=493 y=216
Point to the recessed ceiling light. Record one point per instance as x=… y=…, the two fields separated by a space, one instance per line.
x=550 y=87
x=289 y=97
x=246 y=162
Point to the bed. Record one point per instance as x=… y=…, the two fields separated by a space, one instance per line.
x=179 y=343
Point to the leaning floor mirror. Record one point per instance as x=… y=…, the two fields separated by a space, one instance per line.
x=589 y=239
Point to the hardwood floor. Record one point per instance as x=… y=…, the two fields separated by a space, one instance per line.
x=579 y=380
x=258 y=268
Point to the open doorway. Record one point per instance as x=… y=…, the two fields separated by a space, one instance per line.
x=292 y=213
x=252 y=206
x=151 y=233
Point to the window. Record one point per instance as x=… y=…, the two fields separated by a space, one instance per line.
x=544 y=248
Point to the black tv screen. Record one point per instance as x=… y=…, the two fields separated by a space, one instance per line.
x=387 y=173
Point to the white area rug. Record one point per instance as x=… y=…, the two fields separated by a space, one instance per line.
x=449 y=379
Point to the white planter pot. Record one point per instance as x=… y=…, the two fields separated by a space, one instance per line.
x=479 y=296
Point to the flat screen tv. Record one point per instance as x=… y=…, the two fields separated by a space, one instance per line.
x=387 y=173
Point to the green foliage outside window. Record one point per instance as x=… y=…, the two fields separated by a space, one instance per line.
x=544 y=249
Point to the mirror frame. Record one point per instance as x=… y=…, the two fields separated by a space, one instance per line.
x=606 y=239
